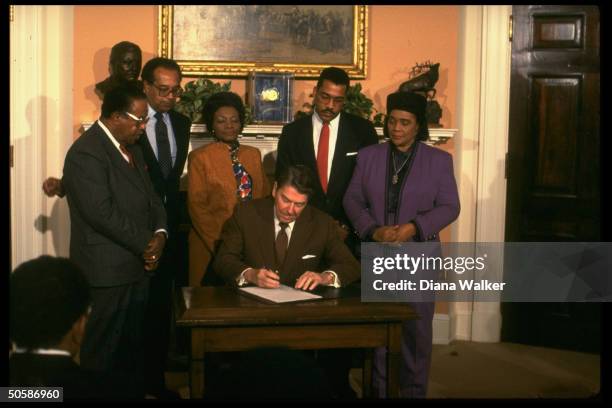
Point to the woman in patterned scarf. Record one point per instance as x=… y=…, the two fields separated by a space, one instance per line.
x=221 y=174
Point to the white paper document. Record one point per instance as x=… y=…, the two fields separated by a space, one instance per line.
x=282 y=294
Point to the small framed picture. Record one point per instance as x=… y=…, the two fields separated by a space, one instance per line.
x=270 y=97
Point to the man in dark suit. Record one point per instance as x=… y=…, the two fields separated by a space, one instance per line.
x=164 y=144
x=284 y=240
x=118 y=229
x=327 y=142
x=49 y=307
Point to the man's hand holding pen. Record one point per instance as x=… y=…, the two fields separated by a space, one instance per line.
x=263 y=277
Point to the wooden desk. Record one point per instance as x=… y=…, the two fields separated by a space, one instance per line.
x=220 y=319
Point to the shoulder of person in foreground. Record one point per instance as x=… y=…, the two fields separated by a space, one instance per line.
x=183 y=119
x=358 y=121
x=251 y=150
x=207 y=151
x=297 y=123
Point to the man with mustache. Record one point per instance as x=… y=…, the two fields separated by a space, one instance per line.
x=327 y=142
x=164 y=145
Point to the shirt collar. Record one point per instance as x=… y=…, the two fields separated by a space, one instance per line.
x=396 y=151
x=333 y=123
x=109 y=134
x=277 y=221
x=49 y=352
x=152 y=112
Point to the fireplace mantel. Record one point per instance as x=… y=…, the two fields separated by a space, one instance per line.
x=265 y=138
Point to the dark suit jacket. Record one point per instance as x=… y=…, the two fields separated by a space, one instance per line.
x=295 y=147
x=168 y=189
x=248 y=239
x=33 y=370
x=114 y=210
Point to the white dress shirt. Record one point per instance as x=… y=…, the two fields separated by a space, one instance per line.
x=47 y=352
x=113 y=140
x=150 y=129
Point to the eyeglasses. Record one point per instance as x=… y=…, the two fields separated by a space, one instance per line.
x=139 y=121
x=164 y=91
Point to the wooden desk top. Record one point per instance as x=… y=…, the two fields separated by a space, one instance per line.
x=225 y=306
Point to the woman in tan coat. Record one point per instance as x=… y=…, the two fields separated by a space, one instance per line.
x=221 y=174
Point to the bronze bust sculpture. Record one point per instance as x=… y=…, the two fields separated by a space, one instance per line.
x=124 y=65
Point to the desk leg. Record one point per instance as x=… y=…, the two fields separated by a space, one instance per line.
x=196 y=365
x=367 y=374
x=394 y=355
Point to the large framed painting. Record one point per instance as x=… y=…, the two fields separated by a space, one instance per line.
x=234 y=40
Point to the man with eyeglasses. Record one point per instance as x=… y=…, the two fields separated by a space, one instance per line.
x=118 y=230
x=164 y=145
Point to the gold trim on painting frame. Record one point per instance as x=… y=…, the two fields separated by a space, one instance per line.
x=191 y=68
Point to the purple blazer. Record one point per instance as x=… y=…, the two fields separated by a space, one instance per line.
x=428 y=196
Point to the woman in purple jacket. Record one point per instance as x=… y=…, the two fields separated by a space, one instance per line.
x=404 y=190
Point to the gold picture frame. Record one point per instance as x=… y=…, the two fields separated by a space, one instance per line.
x=231 y=41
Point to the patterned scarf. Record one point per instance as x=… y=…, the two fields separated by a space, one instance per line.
x=243 y=180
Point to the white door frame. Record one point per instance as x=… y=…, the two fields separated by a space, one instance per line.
x=40 y=126
x=480 y=150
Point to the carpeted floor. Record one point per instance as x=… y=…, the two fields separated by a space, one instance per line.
x=491 y=370
x=507 y=370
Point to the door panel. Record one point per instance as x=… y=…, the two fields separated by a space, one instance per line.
x=553 y=157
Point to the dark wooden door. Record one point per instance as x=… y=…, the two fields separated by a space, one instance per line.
x=553 y=167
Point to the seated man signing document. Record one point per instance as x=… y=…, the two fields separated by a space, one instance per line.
x=282 y=240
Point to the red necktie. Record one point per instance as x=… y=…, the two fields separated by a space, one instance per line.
x=128 y=154
x=322 y=151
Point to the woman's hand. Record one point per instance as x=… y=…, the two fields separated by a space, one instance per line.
x=405 y=232
x=386 y=233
